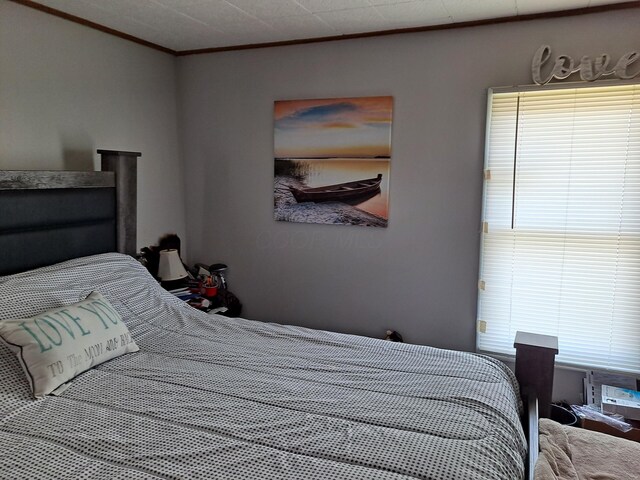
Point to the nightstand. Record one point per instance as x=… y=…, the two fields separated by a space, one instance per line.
x=226 y=299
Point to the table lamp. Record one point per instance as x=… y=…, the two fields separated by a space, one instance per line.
x=170 y=267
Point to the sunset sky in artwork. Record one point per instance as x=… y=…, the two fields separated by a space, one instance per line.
x=334 y=127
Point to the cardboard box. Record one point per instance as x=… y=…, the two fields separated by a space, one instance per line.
x=594 y=425
x=623 y=401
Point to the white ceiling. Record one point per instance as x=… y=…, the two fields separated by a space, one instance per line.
x=197 y=24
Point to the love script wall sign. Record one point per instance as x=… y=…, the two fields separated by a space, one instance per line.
x=589 y=69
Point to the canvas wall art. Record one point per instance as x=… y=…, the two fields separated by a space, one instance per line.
x=332 y=159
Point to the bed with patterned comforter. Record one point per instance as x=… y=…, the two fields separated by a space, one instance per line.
x=209 y=397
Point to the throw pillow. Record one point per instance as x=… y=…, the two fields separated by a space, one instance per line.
x=59 y=344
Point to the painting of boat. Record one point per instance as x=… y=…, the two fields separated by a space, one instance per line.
x=338 y=192
x=332 y=160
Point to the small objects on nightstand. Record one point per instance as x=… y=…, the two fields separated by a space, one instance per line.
x=218 y=270
x=200 y=303
x=183 y=293
x=393 y=336
x=203 y=287
x=171 y=271
x=150 y=256
x=209 y=286
x=212 y=286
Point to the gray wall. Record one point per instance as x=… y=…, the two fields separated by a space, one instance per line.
x=419 y=275
x=67 y=90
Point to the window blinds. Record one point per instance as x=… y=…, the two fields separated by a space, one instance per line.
x=560 y=250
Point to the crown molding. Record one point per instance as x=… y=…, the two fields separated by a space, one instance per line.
x=303 y=41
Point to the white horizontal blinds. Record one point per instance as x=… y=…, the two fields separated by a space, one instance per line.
x=561 y=248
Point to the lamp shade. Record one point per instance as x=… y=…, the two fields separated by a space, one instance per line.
x=170 y=266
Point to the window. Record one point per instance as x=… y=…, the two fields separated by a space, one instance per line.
x=560 y=250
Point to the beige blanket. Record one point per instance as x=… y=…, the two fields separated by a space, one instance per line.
x=568 y=453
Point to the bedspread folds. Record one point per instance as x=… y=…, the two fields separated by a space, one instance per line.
x=570 y=453
x=212 y=397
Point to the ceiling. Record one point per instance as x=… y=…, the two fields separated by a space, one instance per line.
x=185 y=25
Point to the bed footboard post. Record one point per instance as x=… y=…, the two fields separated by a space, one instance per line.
x=535 y=363
x=125 y=168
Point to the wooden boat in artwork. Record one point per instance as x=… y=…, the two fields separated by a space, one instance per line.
x=338 y=192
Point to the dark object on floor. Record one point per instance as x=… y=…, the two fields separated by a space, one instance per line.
x=393 y=336
x=563 y=415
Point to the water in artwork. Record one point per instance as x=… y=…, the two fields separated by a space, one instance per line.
x=330 y=171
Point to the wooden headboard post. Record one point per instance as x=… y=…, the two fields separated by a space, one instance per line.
x=124 y=165
x=535 y=363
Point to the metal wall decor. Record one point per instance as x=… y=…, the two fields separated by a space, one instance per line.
x=590 y=70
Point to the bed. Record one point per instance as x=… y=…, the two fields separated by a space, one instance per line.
x=569 y=453
x=217 y=398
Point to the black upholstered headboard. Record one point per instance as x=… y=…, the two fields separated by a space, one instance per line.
x=47 y=217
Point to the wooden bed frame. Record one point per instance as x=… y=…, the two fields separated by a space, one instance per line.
x=47 y=217
x=44 y=228
x=535 y=364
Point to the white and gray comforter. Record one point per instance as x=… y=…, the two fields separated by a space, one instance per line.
x=214 y=398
